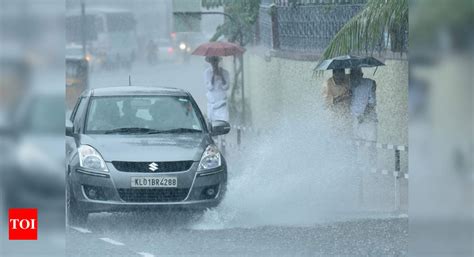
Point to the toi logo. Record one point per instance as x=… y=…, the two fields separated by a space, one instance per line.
x=23 y=224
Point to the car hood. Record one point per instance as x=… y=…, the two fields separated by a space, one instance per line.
x=137 y=148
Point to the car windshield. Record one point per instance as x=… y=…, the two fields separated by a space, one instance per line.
x=142 y=115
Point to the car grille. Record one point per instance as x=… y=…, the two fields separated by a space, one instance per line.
x=157 y=168
x=153 y=195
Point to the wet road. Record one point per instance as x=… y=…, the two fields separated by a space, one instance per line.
x=149 y=234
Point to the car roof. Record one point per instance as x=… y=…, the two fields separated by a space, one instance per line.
x=136 y=90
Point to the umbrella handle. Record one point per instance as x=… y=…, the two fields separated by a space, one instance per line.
x=376 y=67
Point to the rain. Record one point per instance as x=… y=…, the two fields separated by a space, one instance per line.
x=291 y=174
x=216 y=128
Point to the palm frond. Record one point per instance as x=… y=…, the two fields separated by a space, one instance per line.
x=365 y=30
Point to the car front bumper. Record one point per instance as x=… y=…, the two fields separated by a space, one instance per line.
x=113 y=191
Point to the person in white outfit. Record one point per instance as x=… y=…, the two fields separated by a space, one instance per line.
x=363 y=104
x=217 y=84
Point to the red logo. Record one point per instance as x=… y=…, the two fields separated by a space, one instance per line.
x=23 y=224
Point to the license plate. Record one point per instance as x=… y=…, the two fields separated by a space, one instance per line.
x=154 y=181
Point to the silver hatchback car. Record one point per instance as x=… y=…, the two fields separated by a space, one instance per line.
x=132 y=148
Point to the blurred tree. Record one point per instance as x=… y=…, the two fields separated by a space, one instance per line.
x=245 y=13
x=365 y=31
x=457 y=22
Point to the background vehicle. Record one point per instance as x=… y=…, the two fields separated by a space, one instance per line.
x=110 y=35
x=32 y=174
x=77 y=79
x=15 y=77
x=186 y=42
x=132 y=148
x=166 y=50
x=74 y=51
x=186 y=29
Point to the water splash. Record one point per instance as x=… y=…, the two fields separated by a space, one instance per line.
x=293 y=175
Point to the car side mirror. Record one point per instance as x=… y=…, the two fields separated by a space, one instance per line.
x=220 y=127
x=69 y=128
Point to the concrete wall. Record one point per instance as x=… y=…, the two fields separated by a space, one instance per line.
x=281 y=90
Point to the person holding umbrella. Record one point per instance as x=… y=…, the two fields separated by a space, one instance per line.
x=361 y=92
x=217 y=82
x=337 y=90
x=337 y=99
x=217 y=78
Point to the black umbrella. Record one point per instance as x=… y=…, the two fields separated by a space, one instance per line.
x=349 y=62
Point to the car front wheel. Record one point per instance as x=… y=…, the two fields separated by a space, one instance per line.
x=74 y=214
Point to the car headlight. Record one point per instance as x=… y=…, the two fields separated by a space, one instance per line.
x=211 y=158
x=90 y=158
x=182 y=46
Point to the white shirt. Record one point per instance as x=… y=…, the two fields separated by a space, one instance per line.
x=216 y=92
x=363 y=95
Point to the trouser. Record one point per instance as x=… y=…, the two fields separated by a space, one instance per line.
x=366 y=130
x=366 y=157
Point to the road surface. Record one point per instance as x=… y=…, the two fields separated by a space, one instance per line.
x=148 y=234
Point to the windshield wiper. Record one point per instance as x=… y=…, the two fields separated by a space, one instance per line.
x=176 y=130
x=134 y=130
x=128 y=130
